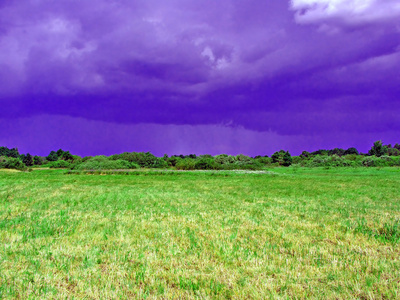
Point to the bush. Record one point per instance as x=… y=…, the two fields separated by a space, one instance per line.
x=37 y=160
x=251 y=164
x=243 y=158
x=144 y=160
x=103 y=163
x=185 y=164
x=224 y=159
x=173 y=160
x=296 y=160
x=265 y=160
x=317 y=161
x=160 y=163
x=351 y=157
x=59 y=164
x=206 y=163
x=328 y=161
x=373 y=161
x=390 y=160
x=12 y=163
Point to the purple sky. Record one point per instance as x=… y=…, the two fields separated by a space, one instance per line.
x=198 y=76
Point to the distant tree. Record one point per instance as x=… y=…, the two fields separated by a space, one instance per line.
x=52 y=156
x=10 y=162
x=277 y=157
x=305 y=154
x=224 y=159
x=206 y=163
x=159 y=163
x=60 y=152
x=351 y=150
x=377 y=149
x=173 y=160
x=144 y=160
x=4 y=151
x=392 y=152
x=337 y=151
x=66 y=155
x=397 y=146
x=265 y=160
x=185 y=164
x=28 y=160
x=320 y=152
x=37 y=160
x=242 y=157
x=287 y=159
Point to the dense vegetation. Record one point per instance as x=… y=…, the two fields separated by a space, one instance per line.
x=378 y=156
x=296 y=233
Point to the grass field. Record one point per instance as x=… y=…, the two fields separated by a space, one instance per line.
x=293 y=233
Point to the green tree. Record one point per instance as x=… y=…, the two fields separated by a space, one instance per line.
x=287 y=159
x=4 y=151
x=277 y=157
x=66 y=155
x=60 y=153
x=52 y=156
x=350 y=151
x=377 y=149
x=28 y=160
x=37 y=160
x=305 y=154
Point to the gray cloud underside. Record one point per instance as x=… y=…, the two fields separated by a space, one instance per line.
x=258 y=64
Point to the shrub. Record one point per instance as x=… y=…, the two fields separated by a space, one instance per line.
x=351 y=157
x=186 y=164
x=173 y=160
x=27 y=160
x=4 y=151
x=103 y=163
x=52 y=156
x=317 y=161
x=243 y=158
x=59 y=164
x=160 y=163
x=373 y=161
x=206 y=163
x=12 y=163
x=144 y=160
x=37 y=160
x=296 y=160
x=224 y=159
x=390 y=160
x=265 y=160
x=245 y=165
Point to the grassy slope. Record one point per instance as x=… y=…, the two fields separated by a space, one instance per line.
x=301 y=233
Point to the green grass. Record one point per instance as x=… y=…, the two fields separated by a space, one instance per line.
x=290 y=233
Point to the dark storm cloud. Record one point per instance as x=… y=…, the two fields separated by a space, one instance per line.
x=298 y=67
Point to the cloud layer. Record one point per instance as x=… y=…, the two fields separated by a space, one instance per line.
x=298 y=68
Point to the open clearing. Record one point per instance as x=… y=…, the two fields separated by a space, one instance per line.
x=294 y=233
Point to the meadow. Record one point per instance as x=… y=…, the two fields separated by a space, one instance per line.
x=287 y=233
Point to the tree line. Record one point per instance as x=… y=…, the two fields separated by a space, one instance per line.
x=378 y=155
